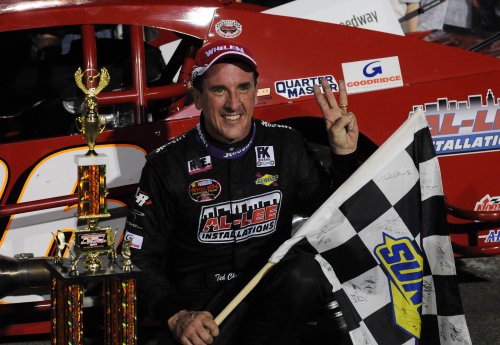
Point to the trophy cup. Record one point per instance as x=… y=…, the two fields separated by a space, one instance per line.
x=91 y=243
x=90 y=124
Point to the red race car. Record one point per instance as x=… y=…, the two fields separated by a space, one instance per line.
x=148 y=48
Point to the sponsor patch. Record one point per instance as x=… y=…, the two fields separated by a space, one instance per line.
x=204 y=190
x=402 y=262
x=136 y=240
x=141 y=198
x=240 y=220
x=265 y=156
x=464 y=126
x=199 y=165
x=295 y=88
x=228 y=28
x=371 y=75
x=266 y=180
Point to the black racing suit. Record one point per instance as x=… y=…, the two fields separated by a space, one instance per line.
x=206 y=213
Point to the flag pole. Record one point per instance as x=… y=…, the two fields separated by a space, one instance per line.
x=243 y=293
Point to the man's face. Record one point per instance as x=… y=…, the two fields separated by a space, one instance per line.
x=228 y=98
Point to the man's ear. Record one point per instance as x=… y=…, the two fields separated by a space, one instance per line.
x=196 y=97
x=256 y=92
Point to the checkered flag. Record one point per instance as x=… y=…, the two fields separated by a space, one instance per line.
x=383 y=244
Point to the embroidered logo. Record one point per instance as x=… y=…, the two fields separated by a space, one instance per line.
x=266 y=180
x=204 y=190
x=199 y=165
x=265 y=156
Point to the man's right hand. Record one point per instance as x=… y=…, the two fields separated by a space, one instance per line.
x=193 y=327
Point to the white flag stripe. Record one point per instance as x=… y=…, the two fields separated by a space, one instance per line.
x=430 y=179
x=400 y=173
x=453 y=330
x=437 y=249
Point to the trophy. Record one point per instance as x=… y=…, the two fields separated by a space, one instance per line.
x=84 y=266
x=94 y=241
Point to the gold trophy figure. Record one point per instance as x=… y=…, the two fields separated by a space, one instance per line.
x=91 y=124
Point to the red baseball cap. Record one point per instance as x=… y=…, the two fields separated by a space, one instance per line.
x=215 y=51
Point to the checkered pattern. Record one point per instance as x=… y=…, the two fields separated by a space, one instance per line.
x=394 y=203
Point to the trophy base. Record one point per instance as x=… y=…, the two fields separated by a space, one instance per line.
x=109 y=268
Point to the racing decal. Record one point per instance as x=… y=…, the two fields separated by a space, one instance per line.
x=488 y=203
x=199 y=165
x=295 y=88
x=240 y=220
x=267 y=180
x=371 y=75
x=204 y=190
x=142 y=198
x=265 y=156
x=136 y=240
x=464 y=126
x=228 y=28
x=493 y=236
x=402 y=262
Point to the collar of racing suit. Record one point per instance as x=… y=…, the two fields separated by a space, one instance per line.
x=220 y=150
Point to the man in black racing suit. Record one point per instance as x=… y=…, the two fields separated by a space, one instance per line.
x=215 y=203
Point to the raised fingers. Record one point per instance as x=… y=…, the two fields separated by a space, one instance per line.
x=343 y=96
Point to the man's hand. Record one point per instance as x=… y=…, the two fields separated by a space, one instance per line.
x=341 y=125
x=193 y=327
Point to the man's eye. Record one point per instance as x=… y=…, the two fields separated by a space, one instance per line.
x=244 y=88
x=218 y=91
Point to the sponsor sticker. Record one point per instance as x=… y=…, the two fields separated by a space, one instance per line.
x=402 y=262
x=300 y=87
x=263 y=92
x=266 y=180
x=228 y=28
x=141 y=198
x=204 y=190
x=492 y=237
x=136 y=240
x=464 y=126
x=240 y=220
x=199 y=165
x=371 y=75
x=488 y=203
x=264 y=156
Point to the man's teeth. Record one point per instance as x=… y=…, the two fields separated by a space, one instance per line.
x=232 y=117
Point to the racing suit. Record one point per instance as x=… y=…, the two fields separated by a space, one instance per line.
x=207 y=214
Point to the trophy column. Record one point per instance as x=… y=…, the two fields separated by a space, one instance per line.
x=93 y=257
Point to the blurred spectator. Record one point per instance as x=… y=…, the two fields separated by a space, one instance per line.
x=403 y=7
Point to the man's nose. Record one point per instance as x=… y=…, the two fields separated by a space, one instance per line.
x=233 y=101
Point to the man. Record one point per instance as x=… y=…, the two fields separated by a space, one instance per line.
x=215 y=203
